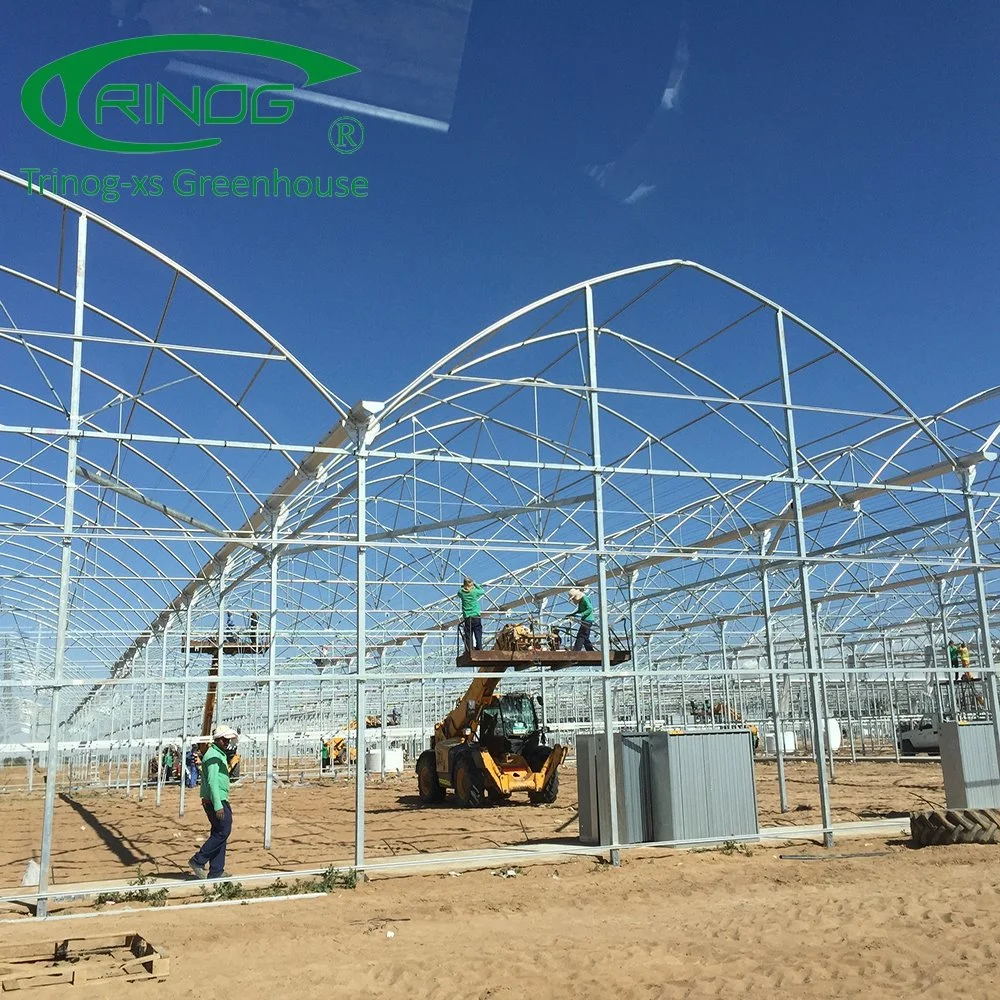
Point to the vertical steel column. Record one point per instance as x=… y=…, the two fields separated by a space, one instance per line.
x=892 y=699
x=221 y=640
x=802 y=553
x=934 y=675
x=821 y=660
x=593 y=405
x=362 y=612
x=726 y=692
x=944 y=638
x=160 y=777
x=987 y=666
x=272 y=681
x=111 y=737
x=131 y=727
x=779 y=736
x=143 y=760
x=423 y=695
x=381 y=714
x=65 y=565
x=184 y=710
x=852 y=663
x=847 y=699
x=635 y=666
x=654 y=681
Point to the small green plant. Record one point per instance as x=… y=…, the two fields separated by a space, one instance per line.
x=731 y=847
x=330 y=880
x=157 y=897
x=230 y=890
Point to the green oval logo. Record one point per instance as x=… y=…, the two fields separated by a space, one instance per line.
x=79 y=68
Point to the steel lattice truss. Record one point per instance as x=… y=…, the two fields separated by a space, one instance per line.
x=165 y=460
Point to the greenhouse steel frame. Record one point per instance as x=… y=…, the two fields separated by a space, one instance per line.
x=736 y=487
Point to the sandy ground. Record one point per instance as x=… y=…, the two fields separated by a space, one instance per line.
x=905 y=923
x=102 y=836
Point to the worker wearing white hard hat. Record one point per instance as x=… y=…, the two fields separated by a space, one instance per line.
x=210 y=860
x=584 y=614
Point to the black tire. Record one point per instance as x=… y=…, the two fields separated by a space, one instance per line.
x=907 y=749
x=955 y=826
x=429 y=788
x=468 y=781
x=550 y=792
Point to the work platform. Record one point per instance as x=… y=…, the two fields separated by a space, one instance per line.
x=522 y=659
x=230 y=646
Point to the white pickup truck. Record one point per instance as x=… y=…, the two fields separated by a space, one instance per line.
x=921 y=737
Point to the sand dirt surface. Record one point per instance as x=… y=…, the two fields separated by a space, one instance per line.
x=904 y=923
x=102 y=835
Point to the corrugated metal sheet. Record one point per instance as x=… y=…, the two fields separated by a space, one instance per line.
x=635 y=821
x=969 y=763
x=631 y=781
x=702 y=786
x=587 y=792
x=671 y=787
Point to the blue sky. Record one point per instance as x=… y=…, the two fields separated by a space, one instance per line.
x=839 y=158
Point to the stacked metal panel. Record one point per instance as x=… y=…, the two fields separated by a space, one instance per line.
x=670 y=787
x=969 y=763
x=702 y=786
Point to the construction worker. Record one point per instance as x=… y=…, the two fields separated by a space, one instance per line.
x=963 y=656
x=210 y=860
x=472 y=623
x=953 y=654
x=584 y=614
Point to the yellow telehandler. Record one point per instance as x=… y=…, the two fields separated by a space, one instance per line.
x=490 y=746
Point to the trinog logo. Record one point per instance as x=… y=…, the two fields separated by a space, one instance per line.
x=148 y=107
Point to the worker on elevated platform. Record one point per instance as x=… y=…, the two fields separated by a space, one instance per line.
x=953 y=654
x=584 y=614
x=472 y=623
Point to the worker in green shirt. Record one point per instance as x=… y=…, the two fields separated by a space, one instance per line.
x=584 y=614
x=472 y=622
x=210 y=860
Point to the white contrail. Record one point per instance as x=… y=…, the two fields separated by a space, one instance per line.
x=313 y=97
x=639 y=193
x=681 y=59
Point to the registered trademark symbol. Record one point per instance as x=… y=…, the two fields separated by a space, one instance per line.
x=346 y=135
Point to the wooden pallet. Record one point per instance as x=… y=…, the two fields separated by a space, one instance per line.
x=75 y=961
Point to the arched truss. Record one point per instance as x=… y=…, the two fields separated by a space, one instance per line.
x=169 y=372
x=631 y=433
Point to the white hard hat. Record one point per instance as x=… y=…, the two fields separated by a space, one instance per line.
x=225 y=731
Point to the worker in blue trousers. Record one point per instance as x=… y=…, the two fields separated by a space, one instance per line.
x=210 y=860
x=584 y=614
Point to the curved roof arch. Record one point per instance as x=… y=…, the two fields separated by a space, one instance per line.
x=485 y=464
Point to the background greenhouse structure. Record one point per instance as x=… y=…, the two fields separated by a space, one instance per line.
x=797 y=544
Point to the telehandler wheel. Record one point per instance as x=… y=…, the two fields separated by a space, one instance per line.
x=428 y=787
x=469 y=784
x=550 y=792
x=955 y=826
